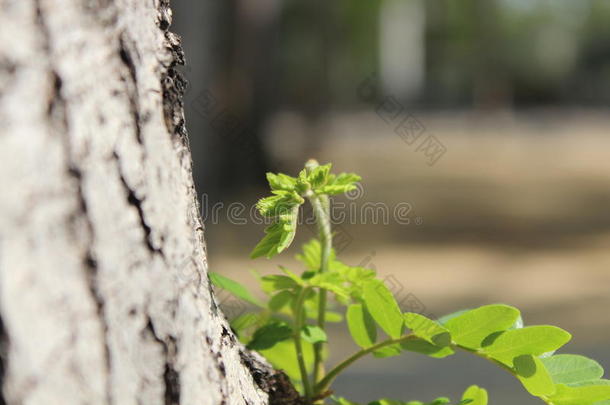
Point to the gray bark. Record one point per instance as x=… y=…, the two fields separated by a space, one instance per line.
x=104 y=294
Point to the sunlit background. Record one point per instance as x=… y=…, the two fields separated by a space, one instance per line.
x=487 y=119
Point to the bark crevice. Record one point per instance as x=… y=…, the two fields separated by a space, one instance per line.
x=173 y=85
x=171 y=376
x=127 y=52
x=4 y=342
x=91 y=266
x=136 y=202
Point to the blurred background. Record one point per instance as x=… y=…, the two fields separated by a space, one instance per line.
x=485 y=120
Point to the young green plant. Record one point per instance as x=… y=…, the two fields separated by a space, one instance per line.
x=290 y=330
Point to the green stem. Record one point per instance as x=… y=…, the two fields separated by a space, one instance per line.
x=484 y=356
x=321 y=209
x=325 y=383
x=299 y=315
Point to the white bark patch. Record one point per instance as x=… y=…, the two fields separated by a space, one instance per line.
x=104 y=295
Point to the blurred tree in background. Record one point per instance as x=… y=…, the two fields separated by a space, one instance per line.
x=309 y=57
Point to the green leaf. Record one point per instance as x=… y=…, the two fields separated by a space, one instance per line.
x=423 y=347
x=281 y=202
x=271 y=206
x=277 y=282
x=244 y=322
x=330 y=281
x=279 y=235
x=518 y=323
x=302 y=178
x=319 y=176
x=280 y=300
x=470 y=328
x=533 y=375
x=600 y=381
x=353 y=274
x=283 y=356
x=340 y=184
x=533 y=340
x=572 y=368
x=587 y=395
x=427 y=329
x=383 y=307
x=268 y=335
x=445 y=318
x=438 y=401
x=361 y=325
x=313 y=334
x=386 y=401
x=333 y=317
x=311 y=256
x=234 y=288
x=269 y=246
x=477 y=395
x=295 y=277
x=343 y=401
x=281 y=181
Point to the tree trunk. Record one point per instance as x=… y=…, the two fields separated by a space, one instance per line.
x=104 y=294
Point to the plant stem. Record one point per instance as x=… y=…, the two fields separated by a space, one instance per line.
x=321 y=209
x=325 y=383
x=484 y=356
x=299 y=315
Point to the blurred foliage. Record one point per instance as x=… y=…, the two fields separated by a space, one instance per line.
x=517 y=52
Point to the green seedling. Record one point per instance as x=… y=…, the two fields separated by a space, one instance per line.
x=290 y=329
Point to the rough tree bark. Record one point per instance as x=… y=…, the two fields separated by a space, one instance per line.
x=104 y=294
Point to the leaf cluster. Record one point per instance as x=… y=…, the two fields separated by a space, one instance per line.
x=289 y=328
x=287 y=195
